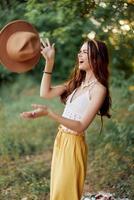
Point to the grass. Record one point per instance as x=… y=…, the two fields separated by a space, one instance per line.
x=26 y=145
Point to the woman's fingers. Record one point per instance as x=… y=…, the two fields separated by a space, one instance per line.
x=48 y=42
x=26 y=114
x=53 y=44
x=43 y=43
x=39 y=110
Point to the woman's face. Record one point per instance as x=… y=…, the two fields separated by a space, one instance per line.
x=83 y=57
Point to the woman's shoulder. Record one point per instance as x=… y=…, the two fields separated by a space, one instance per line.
x=99 y=87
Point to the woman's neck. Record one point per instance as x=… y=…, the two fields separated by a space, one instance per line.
x=89 y=77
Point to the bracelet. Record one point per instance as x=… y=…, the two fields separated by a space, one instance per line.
x=47 y=72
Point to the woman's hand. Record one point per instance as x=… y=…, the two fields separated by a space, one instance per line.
x=40 y=110
x=48 y=50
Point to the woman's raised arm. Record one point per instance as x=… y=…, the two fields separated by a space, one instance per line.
x=46 y=90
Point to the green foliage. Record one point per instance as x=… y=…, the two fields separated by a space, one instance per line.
x=111 y=154
x=112 y=159
x=68 y=22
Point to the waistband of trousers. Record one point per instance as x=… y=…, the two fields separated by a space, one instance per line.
x=62 y=130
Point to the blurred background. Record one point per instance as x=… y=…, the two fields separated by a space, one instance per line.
x=26 y=146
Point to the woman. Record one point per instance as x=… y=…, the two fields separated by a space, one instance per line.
x=86 y=93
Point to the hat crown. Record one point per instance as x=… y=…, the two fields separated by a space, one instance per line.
x=23 y=45
x=20 y=47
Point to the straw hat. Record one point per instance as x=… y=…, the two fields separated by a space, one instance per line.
x=19 y=46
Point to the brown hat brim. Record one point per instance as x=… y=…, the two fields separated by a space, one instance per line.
x=5 y=33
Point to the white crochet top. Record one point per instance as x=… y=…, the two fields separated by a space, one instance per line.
x=75 y=108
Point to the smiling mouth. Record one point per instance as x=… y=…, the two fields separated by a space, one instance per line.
x=81 y=62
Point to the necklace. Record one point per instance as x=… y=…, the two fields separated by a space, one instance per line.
x=87 y=83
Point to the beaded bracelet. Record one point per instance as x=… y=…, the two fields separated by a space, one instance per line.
x=47 y=72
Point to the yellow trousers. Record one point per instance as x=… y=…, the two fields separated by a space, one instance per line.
x=68 y=166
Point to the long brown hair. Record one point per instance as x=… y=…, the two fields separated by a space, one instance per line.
x=99 y=60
